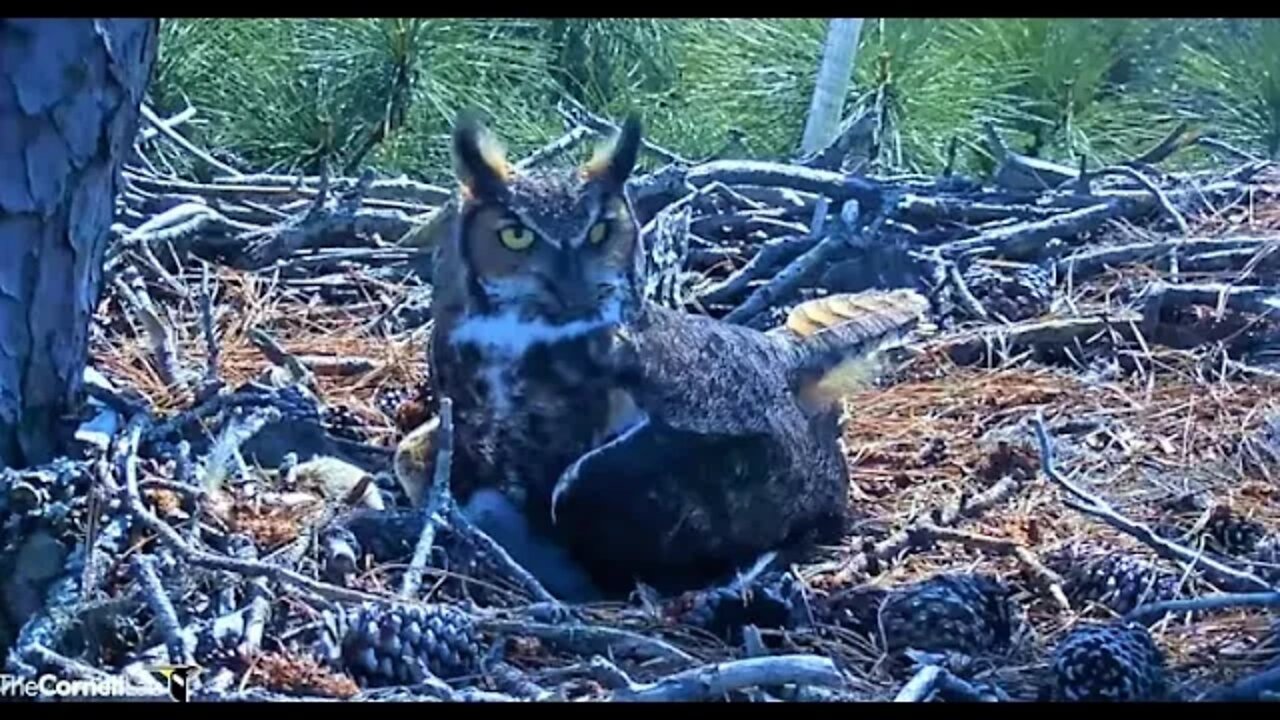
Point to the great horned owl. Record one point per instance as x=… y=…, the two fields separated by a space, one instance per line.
x=653 y=444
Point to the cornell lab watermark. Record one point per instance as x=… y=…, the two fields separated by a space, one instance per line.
x=15 y=687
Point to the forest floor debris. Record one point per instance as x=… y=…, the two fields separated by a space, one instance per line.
x=186 y=534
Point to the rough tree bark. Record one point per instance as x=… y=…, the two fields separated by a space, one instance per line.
x=69 y=96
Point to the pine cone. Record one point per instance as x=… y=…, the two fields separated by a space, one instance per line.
x=1016 y=293
x=1231 y=534
x=774 y=600
x=392 y=645
x=1119 y=581
x=963 y=613
x=1226 y=532
x=343 y=422
x=1111 y=662
x=1264 y=559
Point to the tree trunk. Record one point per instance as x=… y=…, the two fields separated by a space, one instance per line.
x=69 y=96
x=838 y=55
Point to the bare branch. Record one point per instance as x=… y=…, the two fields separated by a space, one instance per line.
x=923 y=684
x=438 y=498
x=133 y=501
x=1224 y=601
x=145 y=572
x=184 y=143
x=715 y=681
x=1094 y=506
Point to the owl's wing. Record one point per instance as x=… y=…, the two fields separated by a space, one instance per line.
x=622 y=458
x=627 y=471
x=655 y=496
x=704 y=377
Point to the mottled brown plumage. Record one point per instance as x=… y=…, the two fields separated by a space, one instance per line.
x=654 y=444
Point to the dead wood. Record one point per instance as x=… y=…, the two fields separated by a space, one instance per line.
x=438 y=498
x=715 y=681
x=1029 y=239
x=1095 y=506
x=1089 y=262
x=995 y=344
x=190 y=497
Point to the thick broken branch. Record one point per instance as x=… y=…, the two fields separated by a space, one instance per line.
x=986 y=344
x=715 y=681
x=836 y=186
x=1091 y=261
x=923 y=684
x=1252 y=299
x=1224 y=601
x=1028 y=239
x=591 y=639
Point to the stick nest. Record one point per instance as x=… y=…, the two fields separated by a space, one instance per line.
x=1166 y=411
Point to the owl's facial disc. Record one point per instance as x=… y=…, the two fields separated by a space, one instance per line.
x=565 y=273
x=546 y=248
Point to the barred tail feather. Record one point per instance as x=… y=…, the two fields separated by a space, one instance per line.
x=839 y=337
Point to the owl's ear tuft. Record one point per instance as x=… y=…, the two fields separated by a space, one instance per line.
x=613 y=163
x=479 y=159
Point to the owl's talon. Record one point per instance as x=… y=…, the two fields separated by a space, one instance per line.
x=563 y=486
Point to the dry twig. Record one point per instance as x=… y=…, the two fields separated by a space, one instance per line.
x=716 y=680
x=437 y=499
x=1049 y=582
x=1092 y=505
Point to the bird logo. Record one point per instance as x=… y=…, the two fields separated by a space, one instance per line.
x=178 y=678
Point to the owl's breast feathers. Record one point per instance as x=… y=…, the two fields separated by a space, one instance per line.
x=522 y=418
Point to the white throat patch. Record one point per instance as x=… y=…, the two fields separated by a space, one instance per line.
x=509 y=335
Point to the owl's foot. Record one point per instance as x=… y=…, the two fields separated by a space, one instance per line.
x=571 y=478
x=415 y=460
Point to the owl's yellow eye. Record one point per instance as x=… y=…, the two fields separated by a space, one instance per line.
x=516 y=237
x=598 y=233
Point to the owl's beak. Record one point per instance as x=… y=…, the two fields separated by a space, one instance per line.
x=575 y=302
x=574 y=297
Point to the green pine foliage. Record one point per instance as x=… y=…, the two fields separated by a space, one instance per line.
x=287 y=94
x=1230 y=79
